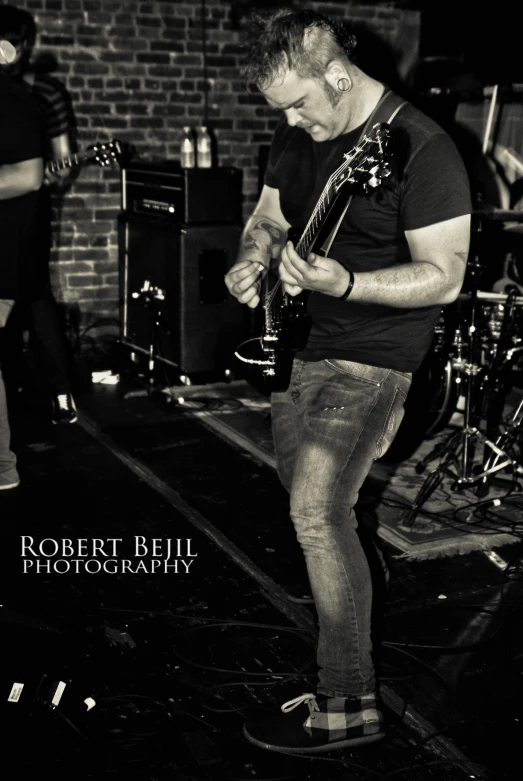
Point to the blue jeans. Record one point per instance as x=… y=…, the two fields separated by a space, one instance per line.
x=8 y=471
x=336 y=418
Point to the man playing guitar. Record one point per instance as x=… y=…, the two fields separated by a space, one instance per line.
x=399 y=255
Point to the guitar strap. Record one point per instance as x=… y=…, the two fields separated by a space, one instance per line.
x=389 y=102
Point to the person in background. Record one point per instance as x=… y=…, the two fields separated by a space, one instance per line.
x=400 y=253
x=18 y=27
x=21 y=177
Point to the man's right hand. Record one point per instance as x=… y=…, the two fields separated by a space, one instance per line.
x=243 y=281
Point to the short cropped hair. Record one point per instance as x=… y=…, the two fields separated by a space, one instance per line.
x=302 y=41
x=17 y=25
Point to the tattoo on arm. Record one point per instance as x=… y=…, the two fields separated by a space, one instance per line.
x=265 y=239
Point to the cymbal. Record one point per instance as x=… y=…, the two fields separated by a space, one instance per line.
x=494 y=213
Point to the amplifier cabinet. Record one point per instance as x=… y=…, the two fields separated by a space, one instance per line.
x=200 y=323
x=192 y=196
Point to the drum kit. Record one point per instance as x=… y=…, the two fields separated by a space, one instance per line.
x=477 y=345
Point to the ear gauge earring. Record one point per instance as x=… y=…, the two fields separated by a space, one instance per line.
x=344 y=84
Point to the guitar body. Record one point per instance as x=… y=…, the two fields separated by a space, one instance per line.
x=286 y=335
x=287 y=322
x=294 y=322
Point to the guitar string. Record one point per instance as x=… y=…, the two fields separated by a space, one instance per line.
x=323 y=202
x=312 y=220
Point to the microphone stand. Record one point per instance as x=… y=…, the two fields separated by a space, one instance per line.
x=149 y=296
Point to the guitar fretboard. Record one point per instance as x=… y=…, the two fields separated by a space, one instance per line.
x=327 y=196
x=64 y=162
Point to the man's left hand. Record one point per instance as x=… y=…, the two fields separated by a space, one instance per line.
x=323 y=275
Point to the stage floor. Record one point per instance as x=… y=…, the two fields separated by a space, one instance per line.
x=176 y=659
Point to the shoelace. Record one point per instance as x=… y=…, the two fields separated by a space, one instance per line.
x=309 y=698
x=63 y=402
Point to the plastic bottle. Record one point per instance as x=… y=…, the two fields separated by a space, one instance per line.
x=203 y=147
x=187 y=149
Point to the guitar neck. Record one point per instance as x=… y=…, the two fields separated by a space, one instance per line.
x=315 y=238
x=327 y=211
x=66 y=162
x=362 y=168
x=316 y=222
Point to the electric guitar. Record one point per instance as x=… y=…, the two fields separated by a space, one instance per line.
x=286 y=322
x=104 y=154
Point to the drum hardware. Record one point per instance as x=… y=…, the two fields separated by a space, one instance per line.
x=488 y=212
x=480 y=382
x=483 y=295
x=433 y=394
x=510 y=279
x=497 y=378
x=510 y=438
x=441 y=391
x=476 y=266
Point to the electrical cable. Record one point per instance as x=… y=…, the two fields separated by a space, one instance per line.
x=405 y=700
x=513 y=572
x=140 y=738
x=461 y=648
x=478 y=768
x=421 y=745
x=445 y=520
x=67 y=720
x=209 y=622
x=103 y=321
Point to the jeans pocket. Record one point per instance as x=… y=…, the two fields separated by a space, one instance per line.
x=407 y=375
x=374 y=375
x=392 y=422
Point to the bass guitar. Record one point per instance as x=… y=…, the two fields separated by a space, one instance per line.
x=286 y=323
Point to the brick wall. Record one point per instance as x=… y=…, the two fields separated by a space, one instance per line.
x=134 y=70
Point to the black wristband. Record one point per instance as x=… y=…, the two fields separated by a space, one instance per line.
x=347 y=293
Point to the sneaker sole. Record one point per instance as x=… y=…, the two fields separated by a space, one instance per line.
x=8 y=487
x=64 y=422
x=358 y=741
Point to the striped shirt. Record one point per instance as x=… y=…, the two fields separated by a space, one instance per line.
x=54 y=100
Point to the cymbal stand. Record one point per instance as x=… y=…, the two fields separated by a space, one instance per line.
x=456 y=453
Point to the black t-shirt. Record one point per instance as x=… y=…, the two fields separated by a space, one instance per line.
x=428 y=184
x=21 y=138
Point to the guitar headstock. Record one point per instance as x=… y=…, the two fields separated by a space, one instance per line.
x=107 y=153
x=368 y=163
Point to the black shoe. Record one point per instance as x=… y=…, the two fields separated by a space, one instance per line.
x=64 y=409
x=332 y=723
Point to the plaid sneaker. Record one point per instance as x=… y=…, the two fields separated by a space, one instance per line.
x=64 y=409
x=332 y=723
